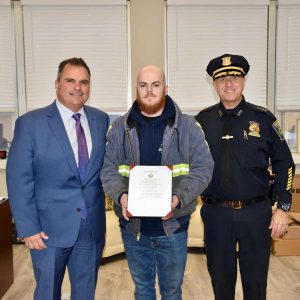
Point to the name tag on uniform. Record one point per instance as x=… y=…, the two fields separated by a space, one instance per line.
x=227 y=137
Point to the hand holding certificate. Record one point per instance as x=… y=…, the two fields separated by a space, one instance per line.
x=150 y=191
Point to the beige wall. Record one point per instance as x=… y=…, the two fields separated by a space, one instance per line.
x=3 y=189
x=147 y=29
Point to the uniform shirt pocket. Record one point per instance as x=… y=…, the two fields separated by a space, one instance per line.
x=253 y=153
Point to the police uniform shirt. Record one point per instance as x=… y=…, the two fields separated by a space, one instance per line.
x=256 y=138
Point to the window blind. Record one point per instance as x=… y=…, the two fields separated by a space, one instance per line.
x=198 y=31
x=7 y=69
x=95 y=31
x=288 y=55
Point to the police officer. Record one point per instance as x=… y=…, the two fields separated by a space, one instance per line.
x=236 y=211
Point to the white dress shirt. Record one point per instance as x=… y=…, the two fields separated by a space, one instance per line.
x=69 y=122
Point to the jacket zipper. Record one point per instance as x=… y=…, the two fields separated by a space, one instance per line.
x=130 y=146
x=138 y=236
x=167 y=150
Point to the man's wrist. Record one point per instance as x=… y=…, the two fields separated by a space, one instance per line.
x=284 y=206
x=119 y=199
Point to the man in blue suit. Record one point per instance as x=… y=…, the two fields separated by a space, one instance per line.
x=54 y=185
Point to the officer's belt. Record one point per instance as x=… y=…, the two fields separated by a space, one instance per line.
x=235 y=204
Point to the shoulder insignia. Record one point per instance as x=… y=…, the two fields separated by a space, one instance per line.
x=209 y=108
x=278 y=130
x=260 y=109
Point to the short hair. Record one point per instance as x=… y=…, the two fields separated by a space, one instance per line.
x=74 y=61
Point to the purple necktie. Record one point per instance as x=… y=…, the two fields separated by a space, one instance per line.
x=83 y=157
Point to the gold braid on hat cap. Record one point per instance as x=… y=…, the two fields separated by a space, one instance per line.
x=228 y=68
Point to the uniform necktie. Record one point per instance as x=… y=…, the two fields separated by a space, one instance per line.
x=227 y=154
x=83 y=157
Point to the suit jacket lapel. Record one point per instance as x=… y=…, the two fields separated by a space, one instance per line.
x=56 y=124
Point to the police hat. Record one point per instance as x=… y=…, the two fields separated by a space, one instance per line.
x=228 y=65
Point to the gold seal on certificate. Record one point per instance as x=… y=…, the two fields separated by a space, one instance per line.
x=150 y=191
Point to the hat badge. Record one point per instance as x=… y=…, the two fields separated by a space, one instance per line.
x=226 y=61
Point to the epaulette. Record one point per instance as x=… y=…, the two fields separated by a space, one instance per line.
x=259 y=109
x=209 y=108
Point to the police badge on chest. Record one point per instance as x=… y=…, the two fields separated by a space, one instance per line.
x=254 y=129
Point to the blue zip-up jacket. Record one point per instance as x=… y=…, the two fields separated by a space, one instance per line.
x=183 y=144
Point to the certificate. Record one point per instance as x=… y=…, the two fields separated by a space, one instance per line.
x=150 y=191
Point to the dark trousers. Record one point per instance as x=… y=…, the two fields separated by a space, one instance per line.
x=224 y=229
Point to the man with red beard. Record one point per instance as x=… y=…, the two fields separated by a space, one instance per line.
x=154 y=132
